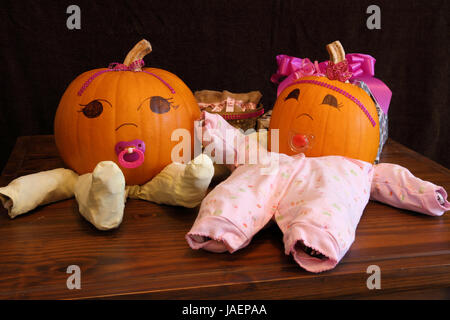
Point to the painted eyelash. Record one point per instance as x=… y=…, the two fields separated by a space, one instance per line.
x=85 y=105
x=171 y=104
x=92 y=110
x=167 y=99
x=339 y=105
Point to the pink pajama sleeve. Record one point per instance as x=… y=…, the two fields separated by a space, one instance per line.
x=220 y=139
x=398 y=187
x=229 y=145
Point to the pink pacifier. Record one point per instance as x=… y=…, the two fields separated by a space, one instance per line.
x=299 y=142
x=130 y=153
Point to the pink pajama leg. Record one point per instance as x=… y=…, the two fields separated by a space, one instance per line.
x=321 y=210
x=234 y=211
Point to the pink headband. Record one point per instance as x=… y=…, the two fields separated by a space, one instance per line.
x=115 y=66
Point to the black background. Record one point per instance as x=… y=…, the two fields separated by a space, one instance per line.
x=225 y=45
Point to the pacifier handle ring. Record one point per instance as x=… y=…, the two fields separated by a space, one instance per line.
x=130 y=165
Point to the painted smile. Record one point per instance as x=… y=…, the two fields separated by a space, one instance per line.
x=126 y=124
x=306 y=115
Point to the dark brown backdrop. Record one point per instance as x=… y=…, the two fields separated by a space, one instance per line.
x=230 y=45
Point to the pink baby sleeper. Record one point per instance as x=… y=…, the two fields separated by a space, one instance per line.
x=316 y=202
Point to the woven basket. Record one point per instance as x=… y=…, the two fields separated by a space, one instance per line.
x=243 y=109
x=242 y=120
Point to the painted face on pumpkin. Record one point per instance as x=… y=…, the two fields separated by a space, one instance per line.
x=126 y=114
x=318 y=117
x=302 y=134
x=125 y=117
x=130 y=154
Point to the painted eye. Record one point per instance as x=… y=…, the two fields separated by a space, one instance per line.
x=293 y=94
x=93 y=109
x=159 y=104
x=331 y=101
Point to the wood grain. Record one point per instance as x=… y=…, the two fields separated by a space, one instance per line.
x=148 y=257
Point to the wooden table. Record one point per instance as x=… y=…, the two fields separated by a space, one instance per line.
x=148 y=257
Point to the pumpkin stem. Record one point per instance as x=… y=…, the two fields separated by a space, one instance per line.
x=336 y=52
x=139 y=51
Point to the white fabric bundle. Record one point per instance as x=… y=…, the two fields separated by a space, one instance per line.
x=101 y=195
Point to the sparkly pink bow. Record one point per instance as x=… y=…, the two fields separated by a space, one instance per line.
x=357 y=67
x=134 y=66
x=338 y=71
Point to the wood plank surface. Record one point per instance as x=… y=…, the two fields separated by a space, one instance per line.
x=148 y=256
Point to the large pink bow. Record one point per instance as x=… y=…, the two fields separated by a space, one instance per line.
x=292 y=68
x=361 y=66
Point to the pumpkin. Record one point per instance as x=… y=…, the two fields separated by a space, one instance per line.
x=124 y=114
x=320 y=117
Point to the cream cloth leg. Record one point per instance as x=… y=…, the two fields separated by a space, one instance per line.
x=27 y=192
x=101 y=195
x=177 y=184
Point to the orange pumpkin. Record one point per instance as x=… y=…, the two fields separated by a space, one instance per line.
x=125 y=114
x=320 y=117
